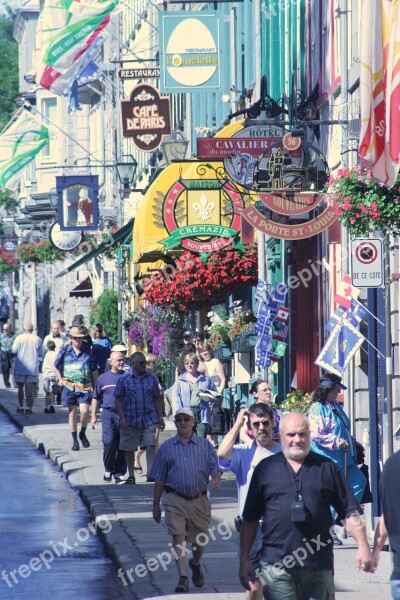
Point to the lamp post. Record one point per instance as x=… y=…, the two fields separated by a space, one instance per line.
x=126 y=167
x=174 y=147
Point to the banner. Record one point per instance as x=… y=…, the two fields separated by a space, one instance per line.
x=66 y=32
x=340 y=348
x=20 y=143
x=380 y=88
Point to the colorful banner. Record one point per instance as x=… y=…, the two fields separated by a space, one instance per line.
x=380 y=88
x=20 y=143
x=66 y=31
x=340 y=348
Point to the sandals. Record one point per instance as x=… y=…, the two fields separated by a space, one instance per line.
x=130 y=480
x=138 y=470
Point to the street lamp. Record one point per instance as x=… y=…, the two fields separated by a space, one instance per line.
x=174 y=147
x=126 y=169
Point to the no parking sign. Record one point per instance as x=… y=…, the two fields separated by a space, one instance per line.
x=367 y=268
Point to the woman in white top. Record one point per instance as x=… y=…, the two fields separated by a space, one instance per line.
x=215 y=368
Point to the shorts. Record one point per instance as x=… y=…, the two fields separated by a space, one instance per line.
x=26 y=378
x=191 y=518
x=70 y=398
x=48 y=385
x=132 y=438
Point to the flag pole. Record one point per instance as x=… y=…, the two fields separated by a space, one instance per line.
x=370 y=313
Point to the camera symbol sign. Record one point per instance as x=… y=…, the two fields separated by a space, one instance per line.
x=367 y=262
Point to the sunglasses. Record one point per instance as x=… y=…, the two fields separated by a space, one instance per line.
x=184 y=419
x=76 y=338
x=257 y=424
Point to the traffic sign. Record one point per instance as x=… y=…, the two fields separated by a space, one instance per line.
x=367 y=267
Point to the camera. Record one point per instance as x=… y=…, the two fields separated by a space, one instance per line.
x=298 y=512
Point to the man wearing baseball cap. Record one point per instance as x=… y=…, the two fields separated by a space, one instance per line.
x=119 y=347
x=181 y=469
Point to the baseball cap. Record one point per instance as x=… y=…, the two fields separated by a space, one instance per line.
x=184 y=411
x=119 y=348
x=187 y=334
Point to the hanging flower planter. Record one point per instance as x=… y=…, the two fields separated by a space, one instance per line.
x=364 y=204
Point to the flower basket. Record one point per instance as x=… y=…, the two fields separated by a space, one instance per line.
x=297 y=401
x=364 y=204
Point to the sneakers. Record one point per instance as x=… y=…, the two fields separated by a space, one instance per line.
x=107 y=476
x=336 y=540
x=121 y=481
x=183 y=585
x=75 y=446
x=84 y=440
x=197 y=574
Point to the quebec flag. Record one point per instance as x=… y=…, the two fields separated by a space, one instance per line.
x=340 y=348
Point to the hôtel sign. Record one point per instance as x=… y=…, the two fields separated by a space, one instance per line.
x=146 y=117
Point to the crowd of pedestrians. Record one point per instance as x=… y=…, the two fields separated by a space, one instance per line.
x=296 y=475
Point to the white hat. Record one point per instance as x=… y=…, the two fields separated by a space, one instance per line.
x=184 y=411
x=119 y=348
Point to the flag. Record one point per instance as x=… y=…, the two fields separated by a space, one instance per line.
x=278 y=349
x=335 y=318
x=65 y=33
x=356 y=313
x=20 y=143
x=264 y=343
x=283 y=314
x=279 y=292
x=342 y=344
x=380 y=88
x=280 y=333
x=345 y=292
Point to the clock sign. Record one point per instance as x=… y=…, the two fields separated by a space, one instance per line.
x=64 y=240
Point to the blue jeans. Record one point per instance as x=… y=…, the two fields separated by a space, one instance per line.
x=395 y=589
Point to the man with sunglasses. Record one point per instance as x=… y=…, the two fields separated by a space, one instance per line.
x=181 y=470
x=139 y=404
x=241 y=459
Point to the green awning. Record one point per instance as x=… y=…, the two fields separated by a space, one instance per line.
x=122 y=235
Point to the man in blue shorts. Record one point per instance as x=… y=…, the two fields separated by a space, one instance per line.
x=76 y=370
x=113 y=458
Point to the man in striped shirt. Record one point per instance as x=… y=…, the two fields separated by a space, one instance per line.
x=139 y=405
x=181 y=470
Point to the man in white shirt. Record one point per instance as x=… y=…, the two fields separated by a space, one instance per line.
x=55 y=336
x=28 y=348
x=242 y=459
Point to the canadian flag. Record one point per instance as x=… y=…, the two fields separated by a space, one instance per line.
x=283 y=314
x=346 y=292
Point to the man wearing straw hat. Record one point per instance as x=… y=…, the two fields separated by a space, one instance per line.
x=76 y=370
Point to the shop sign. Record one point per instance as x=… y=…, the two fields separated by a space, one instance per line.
x=190 y=54
x=141 y=73
x=199 y=215
x=146 y=117
x=78 y=208
x=291 y=204
x=241 y=152
x=289 y=232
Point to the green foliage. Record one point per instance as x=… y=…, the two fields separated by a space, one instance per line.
x=297 y=401
x=364 y=204
x=8 y=201
x=8 y=71
x=105 y=311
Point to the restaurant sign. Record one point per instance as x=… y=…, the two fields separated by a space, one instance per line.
x=146 y=117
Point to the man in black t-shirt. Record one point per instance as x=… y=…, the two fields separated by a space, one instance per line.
x=293 y=491
x=389 y=523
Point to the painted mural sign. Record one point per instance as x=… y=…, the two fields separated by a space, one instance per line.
x=190 y=53
x=146 y=117
x=200 y=215
x=78 y=202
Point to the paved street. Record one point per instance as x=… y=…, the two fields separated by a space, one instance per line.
x=135 y=538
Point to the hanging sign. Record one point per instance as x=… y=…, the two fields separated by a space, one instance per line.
x=367 y=268
x=146 y=117
x=78 y=208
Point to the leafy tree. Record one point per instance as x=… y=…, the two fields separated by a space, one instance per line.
x=8 y=71
x=105 y=311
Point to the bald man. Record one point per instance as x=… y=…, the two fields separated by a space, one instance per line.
x=27 y=348
x=293 y=492
x=55 y=336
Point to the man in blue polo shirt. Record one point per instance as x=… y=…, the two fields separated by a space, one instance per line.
x=139 y=404
x=242 y=459
x=76 y=370
x=113 y=458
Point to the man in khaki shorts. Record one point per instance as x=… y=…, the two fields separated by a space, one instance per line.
x=181 y=470
x=27 y=348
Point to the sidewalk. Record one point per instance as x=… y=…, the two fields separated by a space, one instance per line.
x=138 y=546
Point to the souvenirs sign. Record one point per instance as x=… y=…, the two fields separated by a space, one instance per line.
x=146 y=117
x=200 y=215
